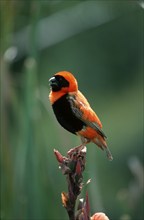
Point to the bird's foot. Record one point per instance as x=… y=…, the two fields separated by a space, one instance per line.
x=75 y=150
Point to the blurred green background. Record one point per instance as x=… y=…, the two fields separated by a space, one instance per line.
x=101 y=43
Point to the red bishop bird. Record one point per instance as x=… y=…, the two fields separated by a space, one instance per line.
x=73 y=111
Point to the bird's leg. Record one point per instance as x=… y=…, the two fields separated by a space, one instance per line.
x=82 y=146
x=79 y=148
x=75 y=150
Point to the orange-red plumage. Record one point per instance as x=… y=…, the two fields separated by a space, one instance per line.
x=73 y=111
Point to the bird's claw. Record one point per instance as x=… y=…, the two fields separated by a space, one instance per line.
x=75 y=150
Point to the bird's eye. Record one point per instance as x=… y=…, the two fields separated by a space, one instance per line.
x=62 y=81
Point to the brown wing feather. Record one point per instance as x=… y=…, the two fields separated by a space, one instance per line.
x=83 y=111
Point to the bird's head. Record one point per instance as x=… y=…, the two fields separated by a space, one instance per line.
x=63 y=81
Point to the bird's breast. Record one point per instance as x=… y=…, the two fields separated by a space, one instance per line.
x=65 y=116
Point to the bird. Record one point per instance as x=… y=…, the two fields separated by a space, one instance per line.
x=73 y=111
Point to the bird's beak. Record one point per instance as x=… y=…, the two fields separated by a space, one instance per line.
x=53 y=83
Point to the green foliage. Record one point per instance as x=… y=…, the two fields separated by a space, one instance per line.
x=106 y=57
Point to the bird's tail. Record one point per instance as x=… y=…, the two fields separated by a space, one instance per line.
x=100 y=142
x=108 y=153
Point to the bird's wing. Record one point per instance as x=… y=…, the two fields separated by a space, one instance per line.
x=82 y=110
